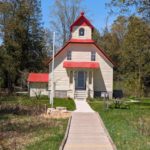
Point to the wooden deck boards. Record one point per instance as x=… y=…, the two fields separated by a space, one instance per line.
x=87 y=133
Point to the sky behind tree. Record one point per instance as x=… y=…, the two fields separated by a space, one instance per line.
x=96 y=12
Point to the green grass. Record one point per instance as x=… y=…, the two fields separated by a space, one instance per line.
x=27 y=101
x=31 y=132
x=129 y=128
x=68 y=103
x=20 y=129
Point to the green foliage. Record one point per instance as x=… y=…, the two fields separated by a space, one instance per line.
x=127 y=43
x=136 y=54
x=23 y=41
x=96 y=36
x=140 y=7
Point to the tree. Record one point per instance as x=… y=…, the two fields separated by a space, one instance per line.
x=119 y=27
x=138 y=7
x=11 y=49
x=33 y=44
x=23 y=38
x=136 y=53
x=135 y=46
x=48 y=35
x=128 y=45
x=64 y=13
x=96 y=36
x=118 y=32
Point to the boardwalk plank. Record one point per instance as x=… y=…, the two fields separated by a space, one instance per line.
x=87 y=133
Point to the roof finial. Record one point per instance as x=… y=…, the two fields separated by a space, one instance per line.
x=82 y=13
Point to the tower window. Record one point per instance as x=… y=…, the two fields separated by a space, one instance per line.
x=81 y=32
x=93 y=56
x=69 y=55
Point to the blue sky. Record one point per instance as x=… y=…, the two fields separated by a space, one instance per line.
x=97 y=12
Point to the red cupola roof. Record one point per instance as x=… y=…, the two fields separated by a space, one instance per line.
x=81 y=21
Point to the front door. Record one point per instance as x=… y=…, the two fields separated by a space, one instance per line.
x=80 y=80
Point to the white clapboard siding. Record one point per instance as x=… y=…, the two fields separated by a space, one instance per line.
x=37 y=89
x=61 y=78
x=87 y=34
x=103 y=77
x=80 y=52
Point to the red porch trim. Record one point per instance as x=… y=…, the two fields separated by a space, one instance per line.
x=72 y=64
x=81 y=41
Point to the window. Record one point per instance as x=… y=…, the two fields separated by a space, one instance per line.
x=90 y=77
x=81 y=32
x=69 y=55
x=71 y=77
x=93 y=56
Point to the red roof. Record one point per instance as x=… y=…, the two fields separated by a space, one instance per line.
x=81 y=21
x=38 y=77
x=81 y=41
x=72 y=64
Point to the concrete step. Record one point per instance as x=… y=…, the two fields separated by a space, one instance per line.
x=80 y=97
x=80 y=94
x=80 y=91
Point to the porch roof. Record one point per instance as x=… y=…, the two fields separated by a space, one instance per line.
x=38 y=77
x=73 y=64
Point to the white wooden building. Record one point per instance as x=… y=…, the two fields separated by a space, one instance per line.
x=81 y=68
x=37 y=84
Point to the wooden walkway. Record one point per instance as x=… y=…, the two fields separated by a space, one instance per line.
x=87 y=132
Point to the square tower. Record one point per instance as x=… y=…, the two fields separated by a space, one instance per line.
x=81 y=28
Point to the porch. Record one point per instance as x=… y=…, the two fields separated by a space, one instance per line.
x=80 y=76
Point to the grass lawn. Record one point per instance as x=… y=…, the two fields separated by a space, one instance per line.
x=42 y=101
x=22 y=130
x=129 y=128
x=31 y=132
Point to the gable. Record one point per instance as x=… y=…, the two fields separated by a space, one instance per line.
x=68 y=44
x=81 y=21
x=82 y=52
